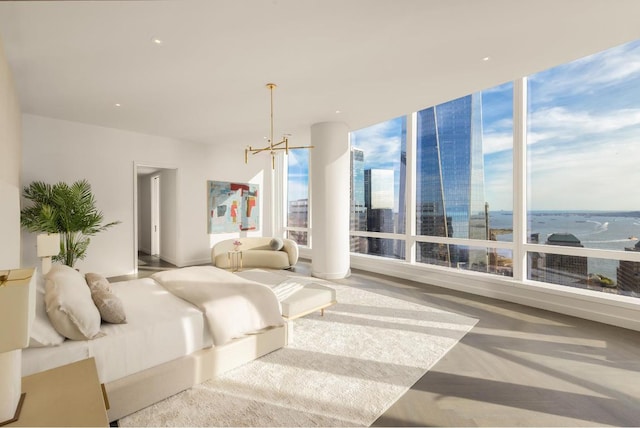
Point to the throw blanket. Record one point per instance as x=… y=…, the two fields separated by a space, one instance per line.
x=233 y=306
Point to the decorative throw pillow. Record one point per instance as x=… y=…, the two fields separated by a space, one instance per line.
x=97 y=281
x=69 y=304
x=42 y=332
x=276 y=244
x=109 y=305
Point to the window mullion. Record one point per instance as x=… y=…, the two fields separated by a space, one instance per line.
x=519 y=178
x=410 y=194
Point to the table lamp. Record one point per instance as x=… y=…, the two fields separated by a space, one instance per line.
x=48 y=245
x=17 y=310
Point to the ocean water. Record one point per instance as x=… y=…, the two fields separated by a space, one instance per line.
x=602 y=230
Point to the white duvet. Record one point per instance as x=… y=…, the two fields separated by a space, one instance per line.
x=233 y=306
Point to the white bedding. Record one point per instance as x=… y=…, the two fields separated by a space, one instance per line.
x=233 y=306
x=160 y=327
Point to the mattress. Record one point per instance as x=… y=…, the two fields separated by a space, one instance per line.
x=160 y=327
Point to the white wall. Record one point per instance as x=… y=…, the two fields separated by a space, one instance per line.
x=56 y=150
x=10 y=153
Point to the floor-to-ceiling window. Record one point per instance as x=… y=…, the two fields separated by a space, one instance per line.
x=297 y=191
x=583 y=153
x=378 y=171
x=571 y=217
x=464 y=181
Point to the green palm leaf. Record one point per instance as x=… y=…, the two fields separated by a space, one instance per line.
x=68 y=210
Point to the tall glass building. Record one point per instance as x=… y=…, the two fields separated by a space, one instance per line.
x=450 y=197
x=358 y=208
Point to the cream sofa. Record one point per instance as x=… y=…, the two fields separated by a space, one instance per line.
x=257 y=252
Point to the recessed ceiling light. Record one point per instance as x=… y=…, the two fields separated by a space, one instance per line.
x=338 y=111
x=117 y=104
x=486 y=58
x=157 y=41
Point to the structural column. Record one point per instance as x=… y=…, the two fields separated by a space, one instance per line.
x=330 y=183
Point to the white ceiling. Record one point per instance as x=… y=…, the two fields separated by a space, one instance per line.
x=370 y=59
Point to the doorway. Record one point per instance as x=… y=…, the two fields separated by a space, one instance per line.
x=155 y=214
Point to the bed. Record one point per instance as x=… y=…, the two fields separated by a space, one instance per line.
x=172 y=338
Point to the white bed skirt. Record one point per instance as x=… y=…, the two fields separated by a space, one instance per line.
x=137 y=391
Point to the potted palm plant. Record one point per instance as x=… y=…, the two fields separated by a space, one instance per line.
x=69 y=210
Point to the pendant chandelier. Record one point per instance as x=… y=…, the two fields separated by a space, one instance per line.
x=272 y=148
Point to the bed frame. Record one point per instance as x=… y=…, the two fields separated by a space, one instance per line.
x=139 y=390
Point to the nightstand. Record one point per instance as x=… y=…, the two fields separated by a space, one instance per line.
x=69 y=396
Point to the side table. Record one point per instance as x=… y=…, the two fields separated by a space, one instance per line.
x=235 y=260
x=68 y=396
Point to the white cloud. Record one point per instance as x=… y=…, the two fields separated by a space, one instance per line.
x=297 y=190
x=605 y=176
x=558 y=124
x=497 y=142
x=381 y=144
x=298 y=159
x=588 y=74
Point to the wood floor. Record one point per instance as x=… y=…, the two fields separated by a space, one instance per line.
x=518 y=366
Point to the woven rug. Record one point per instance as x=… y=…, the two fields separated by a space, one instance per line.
x=343 y=369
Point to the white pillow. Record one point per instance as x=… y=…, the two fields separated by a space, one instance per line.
x=42 y=332
x=69 y=304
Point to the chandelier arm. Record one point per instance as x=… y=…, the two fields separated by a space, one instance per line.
x=264 y=149
x=272 y=147
x=300 y=147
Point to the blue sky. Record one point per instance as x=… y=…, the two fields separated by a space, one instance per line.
x=298 y=175
x=583 y=137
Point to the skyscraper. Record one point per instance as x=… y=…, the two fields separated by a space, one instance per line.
x=629 y=273
x=358 y=208
x=563 y=269
x=379 y=201
x=450 y=186
x=298 y=217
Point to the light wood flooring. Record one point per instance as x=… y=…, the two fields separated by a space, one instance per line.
x=518 y=366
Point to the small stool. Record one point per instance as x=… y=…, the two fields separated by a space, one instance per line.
x=310 y=298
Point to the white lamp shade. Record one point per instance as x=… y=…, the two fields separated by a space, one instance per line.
x=48 y=244
x=17 y=309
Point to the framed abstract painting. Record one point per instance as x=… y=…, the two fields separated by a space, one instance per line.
x=232 y=207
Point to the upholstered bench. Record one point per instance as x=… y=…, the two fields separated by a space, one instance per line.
x=305 y=297
x=310 y=298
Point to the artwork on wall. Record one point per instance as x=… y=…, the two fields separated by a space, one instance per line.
x=232 y=207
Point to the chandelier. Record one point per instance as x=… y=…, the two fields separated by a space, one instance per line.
x=272 y=148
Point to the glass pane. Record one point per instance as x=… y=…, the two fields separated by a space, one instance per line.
x=390 y=248
x=609 y=276
x=497 y=149
x=299 y=237
x=582 y=147
x=378 y=171
x=478 y=259
x=298 y=188
x=464 y=169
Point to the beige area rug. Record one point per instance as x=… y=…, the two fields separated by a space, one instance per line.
x=343 y=369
